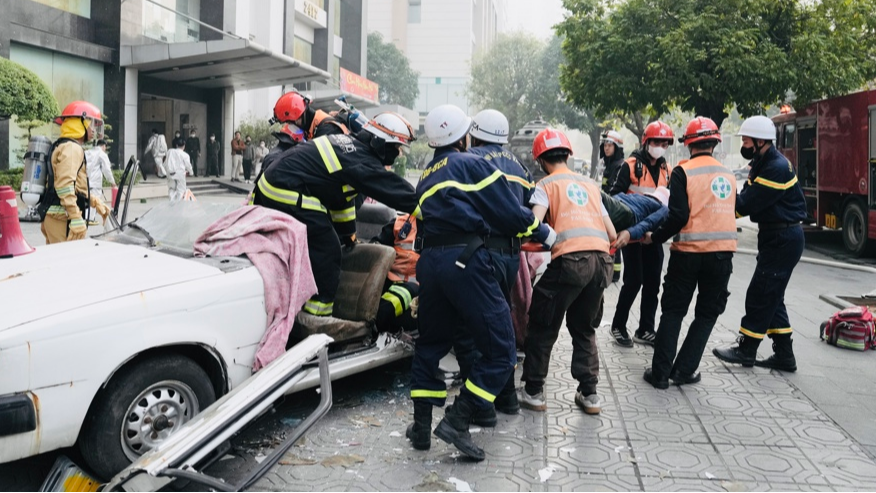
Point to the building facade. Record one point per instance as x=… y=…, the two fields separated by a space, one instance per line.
x=439 y=37
x=169 y=65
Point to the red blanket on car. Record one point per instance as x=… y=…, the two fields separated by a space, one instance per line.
x=276 y=244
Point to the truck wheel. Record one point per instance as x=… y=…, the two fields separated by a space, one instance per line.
x=855 y=228
x=140 y=407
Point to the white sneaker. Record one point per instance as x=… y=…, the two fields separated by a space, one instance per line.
x=533 y=402
x=591 y=404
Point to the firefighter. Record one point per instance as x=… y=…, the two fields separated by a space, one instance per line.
x=611 y=151
x=643 y=172
x=318 y=184
x=292 y=107
x=471 y=227
x=702 y=223
x=774 y=200
x=67 y=199
x=394 y=311
x=579 y=271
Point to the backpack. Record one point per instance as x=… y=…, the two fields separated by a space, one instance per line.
x=852 y=328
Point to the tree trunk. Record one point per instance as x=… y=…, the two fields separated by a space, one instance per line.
x=595 y=136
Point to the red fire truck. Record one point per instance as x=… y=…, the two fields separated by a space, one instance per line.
x=832 y=143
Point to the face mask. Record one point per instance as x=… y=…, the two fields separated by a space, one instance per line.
x=656 y=152
x=748 y=152
x=212 y=138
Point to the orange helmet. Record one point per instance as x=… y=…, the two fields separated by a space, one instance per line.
x=85 y=111
x=658 y=131
x=700 y=129
x=290 y=107
x=548 y=140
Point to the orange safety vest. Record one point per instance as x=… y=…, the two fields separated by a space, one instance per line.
x=575 y=213
x=404 y=268
x=318 y=118
x=645 y=183
x=711 y=194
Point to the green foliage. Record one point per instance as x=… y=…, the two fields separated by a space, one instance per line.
x=11 y=178
x=259 y=129
x=24 y=95
x=419 y=154
x=705 y=56
x=391 y=70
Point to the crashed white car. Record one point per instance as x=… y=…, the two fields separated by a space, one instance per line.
x=115 y=364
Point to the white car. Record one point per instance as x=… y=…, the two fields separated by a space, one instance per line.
x=117 y=363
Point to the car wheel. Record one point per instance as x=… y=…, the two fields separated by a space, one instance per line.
x=855 y=228
x=140 y=407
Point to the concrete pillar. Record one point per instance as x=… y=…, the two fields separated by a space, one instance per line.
x=131 y=115
x=227 y=131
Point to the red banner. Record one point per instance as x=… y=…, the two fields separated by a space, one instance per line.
x=360 y=86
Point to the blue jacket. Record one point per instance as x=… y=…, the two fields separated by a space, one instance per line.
x=503 y=159
x=461 y=193
x=772 y=193
x=649 y=213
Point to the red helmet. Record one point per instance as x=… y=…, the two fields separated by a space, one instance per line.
x=290 y=107
x=658 y=131
x=85 y=111
x=700 y=129
x=294 y=132
x=548 y=140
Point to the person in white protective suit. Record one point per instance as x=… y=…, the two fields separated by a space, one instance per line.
x=98 y=167
x=178 y=165
x=157 y=145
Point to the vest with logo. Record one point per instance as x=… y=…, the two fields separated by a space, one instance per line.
x=404 y=268
x=711 y=194
x=575 y=213
x=645 y=183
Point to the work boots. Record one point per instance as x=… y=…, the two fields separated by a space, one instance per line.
x=743 y=353
x=419 y=432
x=454 y=427
x=506 y=403
x=783 y=357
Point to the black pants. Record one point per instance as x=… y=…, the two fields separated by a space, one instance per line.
x=213 y=166
x=707 y=272
x=643 y=265
x=778 y=252
x=194 y=159
x=570 y=288
x=247 y=169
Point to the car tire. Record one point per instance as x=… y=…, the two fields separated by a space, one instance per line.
x=855 y=229
x=153 y=392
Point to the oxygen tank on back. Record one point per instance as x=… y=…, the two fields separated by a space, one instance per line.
x=36 y=161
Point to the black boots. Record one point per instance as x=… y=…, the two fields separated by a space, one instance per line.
x=454 y=427
x=419 y=432
x=743 y=353
x=783 y=357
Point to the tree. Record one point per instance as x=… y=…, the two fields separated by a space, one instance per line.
x=24 y=95
x=705 y=56
x=259 y=129
x=391 y=70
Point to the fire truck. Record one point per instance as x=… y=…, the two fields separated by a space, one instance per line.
x=832 y=144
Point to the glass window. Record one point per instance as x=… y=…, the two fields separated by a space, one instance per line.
x=166 y=26
x=414 y=11
x=790 y=134
x=302 y=50
x=336 y=9
x=78 y=7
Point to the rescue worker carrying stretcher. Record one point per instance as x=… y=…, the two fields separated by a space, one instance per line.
x=66 y=202
x=572 y=286
x=318 y=182
x=773 y=198
x=643 y=172
x=472 y=225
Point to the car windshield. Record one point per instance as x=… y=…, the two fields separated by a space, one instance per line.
x=179 y=225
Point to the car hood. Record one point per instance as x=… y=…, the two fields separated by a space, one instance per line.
x=66 y=276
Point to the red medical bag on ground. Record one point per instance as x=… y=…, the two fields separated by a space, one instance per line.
x=852 y=328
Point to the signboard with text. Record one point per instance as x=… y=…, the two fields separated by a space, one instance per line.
x=352 y=83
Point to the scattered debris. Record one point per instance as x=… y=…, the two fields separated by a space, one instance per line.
x=546 y=473
x=460 y=484
x=366 y=421
x=632 y=459
x=733 y=486
x=395 y=434
x=293 y=422
x=226 y=457
x=294 y=460
x=260 y=458
x=568 y=450
x=709 y=475
x=619 y=449
x=434 y=483
x=474 y=429
x=344 y=461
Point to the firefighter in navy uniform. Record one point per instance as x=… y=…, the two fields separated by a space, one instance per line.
x=471 y=226
x=774 y=200
x=318 y=184
x=611 y=151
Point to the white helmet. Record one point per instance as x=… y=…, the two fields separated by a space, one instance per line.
x=445 y=125
x=392 y=128
x=613 y=137
x=490 y=126
x=758 y=127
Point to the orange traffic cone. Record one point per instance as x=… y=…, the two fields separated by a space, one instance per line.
x=12 y=242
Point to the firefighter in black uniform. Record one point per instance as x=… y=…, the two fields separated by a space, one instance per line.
x=773 y=198
x=317 y=183
x=611 y=150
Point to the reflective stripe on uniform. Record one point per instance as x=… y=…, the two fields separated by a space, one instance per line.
x=581 y=232
x=343 y=216
x=718 y=235
x=329 y=158
x=520 y=181
x=483 y=394
x=705 y=170
x=77 y=222
x=440 y=394
x=781 y=330
x=465 y=187
x=753 y=335
x=617 y=267
x=289 y=197
x=57 y=209
x=402 y=293
x=399 y=297
x=395 y=301
x=775 y=185
x=417 y=214
x=532 y=227
x=347 y=188
x=563 y=176
x=64 y=191
x=320 y=308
